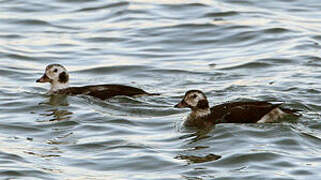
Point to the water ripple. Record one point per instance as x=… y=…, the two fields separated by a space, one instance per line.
x=232 y=50
x=108 y=6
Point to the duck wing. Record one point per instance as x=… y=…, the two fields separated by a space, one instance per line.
x=241 y=112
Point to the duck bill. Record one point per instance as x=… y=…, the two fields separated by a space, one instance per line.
x=43 y=79
x=182 y=104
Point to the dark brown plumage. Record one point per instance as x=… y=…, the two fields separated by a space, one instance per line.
x=104 y=91
x=234 y=112
x=58 y=77
x=241 y=112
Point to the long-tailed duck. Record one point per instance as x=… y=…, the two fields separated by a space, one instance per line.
x=58 y=77
x=235 y=112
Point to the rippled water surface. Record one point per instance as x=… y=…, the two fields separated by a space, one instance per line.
x=232 y=50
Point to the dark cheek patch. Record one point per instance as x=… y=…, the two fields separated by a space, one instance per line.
x=202 y=104
x=63 y=77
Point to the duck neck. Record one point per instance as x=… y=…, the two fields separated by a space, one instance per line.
x=55 y=86
x=199 y=113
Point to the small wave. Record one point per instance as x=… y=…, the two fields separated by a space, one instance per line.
x=104 y=39
x=248 y=65
x=21 y=57
x=184 y=6
x=277 y=30
x=77 y=1
x=317 y=37
x=193 y=25
x=108 y=6
x=33 y=22
x=221 y=14
x=11 y=36
x=309 y=45
x=39 y=23
x=11 y=157
x=111 y=69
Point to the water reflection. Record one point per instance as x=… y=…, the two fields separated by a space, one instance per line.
x=63 y=139
x=57 y=110
x=194 y=137
x=57 y=113
x=42 y=154
x=198 y=159
x=196 y=133
x=19 y=150
x=192 y=178
x=56 y=100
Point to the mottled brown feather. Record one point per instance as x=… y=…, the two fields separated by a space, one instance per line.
x=241 y=112
x=234 y=112
x=104 y=91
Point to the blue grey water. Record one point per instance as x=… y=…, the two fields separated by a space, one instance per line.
x=232 y=50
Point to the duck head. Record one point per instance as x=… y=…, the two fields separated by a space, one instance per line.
x=194 y=99
x=197 y=102
x=57 y=75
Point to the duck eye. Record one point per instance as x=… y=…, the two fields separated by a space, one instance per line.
x=55 y=70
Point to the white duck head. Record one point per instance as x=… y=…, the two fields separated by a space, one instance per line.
x=197 y=101
x=57 y=75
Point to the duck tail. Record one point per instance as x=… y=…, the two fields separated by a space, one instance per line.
x=293 y=112
x=153 y=94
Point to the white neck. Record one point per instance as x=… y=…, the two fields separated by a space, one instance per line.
x=198 y=113
x=55 y=86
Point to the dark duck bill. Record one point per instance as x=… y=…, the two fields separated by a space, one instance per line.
x=182 y=104
x=44 y=78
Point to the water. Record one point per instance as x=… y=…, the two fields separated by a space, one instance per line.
x=232 y=50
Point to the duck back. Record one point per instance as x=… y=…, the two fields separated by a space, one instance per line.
x=104 y=91
x=241 y=112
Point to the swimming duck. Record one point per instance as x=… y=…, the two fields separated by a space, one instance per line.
x=234 y=112
x=58 y=77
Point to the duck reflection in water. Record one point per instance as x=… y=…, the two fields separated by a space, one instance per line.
x=198 y=159
x=59 y=112
x=194 y=135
